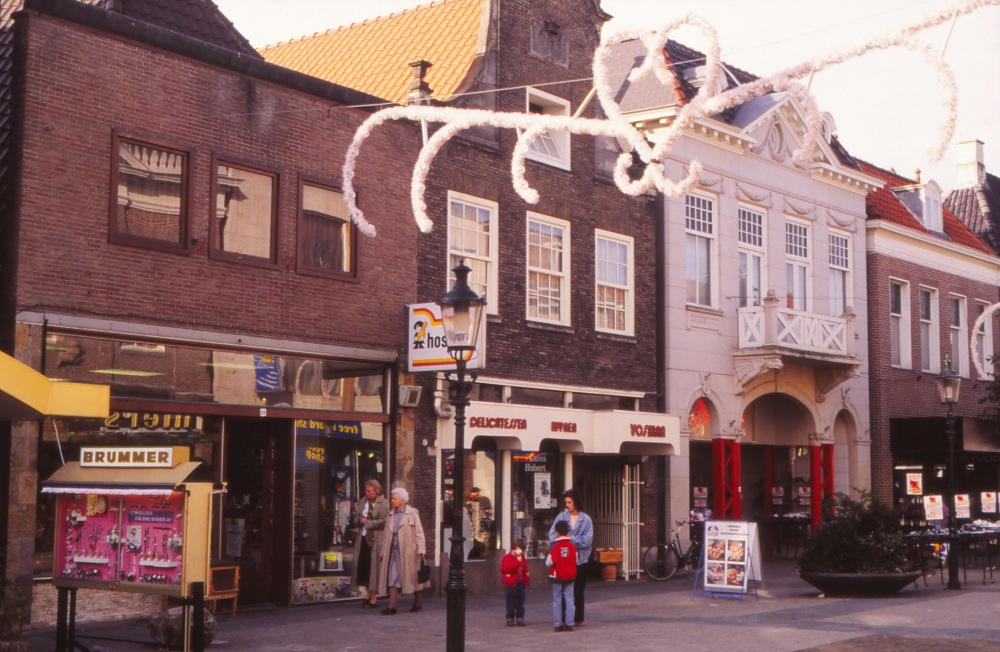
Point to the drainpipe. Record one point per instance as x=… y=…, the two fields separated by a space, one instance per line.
x=439 y=400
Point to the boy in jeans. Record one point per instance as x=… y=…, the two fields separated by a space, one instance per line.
x=514 y=569
x=562 y=561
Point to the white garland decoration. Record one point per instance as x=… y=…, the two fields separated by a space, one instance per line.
x=704 y=104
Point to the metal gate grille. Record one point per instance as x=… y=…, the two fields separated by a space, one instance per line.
x=612 y=501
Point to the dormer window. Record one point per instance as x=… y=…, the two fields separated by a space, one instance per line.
x=924 y=201
x=551 y=147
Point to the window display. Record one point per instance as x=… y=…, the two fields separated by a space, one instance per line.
x=534 y=500
x=330 y=472
x=479 y=517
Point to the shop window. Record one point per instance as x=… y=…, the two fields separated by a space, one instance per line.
x=534 y=499
x=487 y=393
x=244 y=217
x=330 y=474
x=478 y=516
x=327 y=239
x=548 y=270
x=700 y=420
x=149 y=195
x=472 y=236
x=215 y=376
x=539 y=397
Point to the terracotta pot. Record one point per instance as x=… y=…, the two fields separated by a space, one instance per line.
x=860 y=584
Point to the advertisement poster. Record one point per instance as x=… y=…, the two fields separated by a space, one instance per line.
x=989 y=501
x=725 y=561
x=331 y=562
x=805 y=495
x=701 y=492
x=962 y=506
x=933 y=508
x=777 y=492
x=543 y=490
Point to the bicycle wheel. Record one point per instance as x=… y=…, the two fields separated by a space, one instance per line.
x=694 y=561
x=660 y=562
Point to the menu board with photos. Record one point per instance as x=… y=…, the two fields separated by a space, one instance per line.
x=727 y=548
x=989 y=502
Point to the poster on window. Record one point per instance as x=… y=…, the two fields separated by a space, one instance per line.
x=805 y=495
x=543 y=490
x=933 y=508
x=914 y=484
x=989 y=502
x=777 y=492
x=701 y=492
x=725 y=557
x=962 y=506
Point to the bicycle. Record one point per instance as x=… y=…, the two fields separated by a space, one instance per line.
x=661 y=561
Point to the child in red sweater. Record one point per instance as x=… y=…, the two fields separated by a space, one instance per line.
x=562 y=561
x=514 y=569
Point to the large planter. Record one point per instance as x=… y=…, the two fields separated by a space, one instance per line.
x=860 y=584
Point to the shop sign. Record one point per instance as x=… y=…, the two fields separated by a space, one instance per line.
x=962 y=506
x=151 y=421
x=914 y=484
x=727 y=546
x=147 y=458
x=563 y=426
x=640 y=430
x=342 y=429
x=428 y=348
x=933 y=508
x=498 y=423
x=310 y=457
x=989 y=502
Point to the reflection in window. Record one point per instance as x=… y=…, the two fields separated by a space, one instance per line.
x=534 y=500
x=151 y=187
x=325 y=231
x=700 y=420
x=244 y=211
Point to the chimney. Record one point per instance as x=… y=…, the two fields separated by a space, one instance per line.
x=418 y=91
x=970 y=167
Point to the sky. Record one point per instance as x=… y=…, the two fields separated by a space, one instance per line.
x=886 y=105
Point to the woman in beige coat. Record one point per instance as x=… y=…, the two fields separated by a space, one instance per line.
x=403 y=548
x=369 y=515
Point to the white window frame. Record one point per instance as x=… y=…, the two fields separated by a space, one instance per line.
x=933 y=217
x=750 y=249
x=803 y=261
x=905 y=338
x=629 y=288
x=960 y=362
x=713 y=250
x=551 y=105
x=984 y=340
x=565 y=289
x=492 y=292
x=934 y=332
x=849 y=280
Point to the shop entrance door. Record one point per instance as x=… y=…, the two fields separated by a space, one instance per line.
x=257 y=507
x=611 y=499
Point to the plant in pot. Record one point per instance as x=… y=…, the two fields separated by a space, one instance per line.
x=858 y=551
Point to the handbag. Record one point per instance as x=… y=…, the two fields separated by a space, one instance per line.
x=424 y=574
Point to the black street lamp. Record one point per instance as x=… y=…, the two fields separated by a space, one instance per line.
x=949 y=382
x=462 y=313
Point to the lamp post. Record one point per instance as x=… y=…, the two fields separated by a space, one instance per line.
x=461 y=314
x=949 y=384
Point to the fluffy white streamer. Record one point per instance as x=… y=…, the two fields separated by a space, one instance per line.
x=705 y=103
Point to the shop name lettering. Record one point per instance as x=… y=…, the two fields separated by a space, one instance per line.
x=309 y=424
x=498 y=423
x=535 y=468
x=150 y=516
x=316 y=454
x=125 y=457
x=639 y=430
x=563 y=426
x=147 y=419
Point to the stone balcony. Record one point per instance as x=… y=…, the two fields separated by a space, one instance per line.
x=771 y=336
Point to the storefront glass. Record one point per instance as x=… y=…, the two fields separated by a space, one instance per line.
x=333 y=460
x=534 y=500
x=141 y=370
x=479 y=517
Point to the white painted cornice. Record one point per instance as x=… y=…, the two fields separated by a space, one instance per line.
x=896 y=241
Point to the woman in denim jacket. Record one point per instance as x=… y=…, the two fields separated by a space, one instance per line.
x=581 y=533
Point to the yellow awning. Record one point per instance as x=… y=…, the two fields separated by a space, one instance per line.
x=26 y=395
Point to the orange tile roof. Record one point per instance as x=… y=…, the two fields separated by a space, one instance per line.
x=372 y=56
x=884 y=204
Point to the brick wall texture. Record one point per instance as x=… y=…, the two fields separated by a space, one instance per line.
x=905 y=393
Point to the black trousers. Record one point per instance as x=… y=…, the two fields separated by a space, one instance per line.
x=578 y=587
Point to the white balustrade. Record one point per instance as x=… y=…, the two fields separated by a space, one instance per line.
x=770 y=325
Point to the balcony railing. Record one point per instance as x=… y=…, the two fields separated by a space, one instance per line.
x=772 y=326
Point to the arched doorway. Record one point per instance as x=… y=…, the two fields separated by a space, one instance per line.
x=845 y=458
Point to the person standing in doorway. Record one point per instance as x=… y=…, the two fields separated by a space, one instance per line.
x=369 y=514
x=581 y=533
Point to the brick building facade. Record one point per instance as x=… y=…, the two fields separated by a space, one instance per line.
x=247 y=339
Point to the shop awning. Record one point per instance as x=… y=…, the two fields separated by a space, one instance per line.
x=72 y=479
x=523 y=427
x=26 y=395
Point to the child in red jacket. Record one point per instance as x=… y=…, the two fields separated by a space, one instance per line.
x=562 y=561
x=514 y=569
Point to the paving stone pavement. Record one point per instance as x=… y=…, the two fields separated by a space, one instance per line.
x=789 y=616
